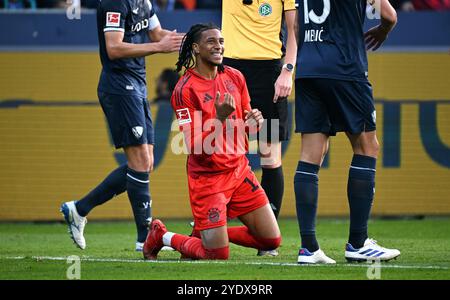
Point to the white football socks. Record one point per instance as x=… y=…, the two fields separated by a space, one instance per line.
x=167 y=238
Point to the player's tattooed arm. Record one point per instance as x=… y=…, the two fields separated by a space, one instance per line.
x=375 y=37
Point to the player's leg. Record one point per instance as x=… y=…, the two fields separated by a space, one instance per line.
x=131 y=128
x=250 y=204
x=355 y=114
x=140 y=161
x=361 y=184
x=261 y=84
x=276 y=114
x=213 y=243
x=209 y=207
x=312 y=121
x=113 y=185
x=272 y=178
x=75 y=212
x=261 y=230
x=139 y=140
x=306 y=186
x=360 y=191
x=355 y=109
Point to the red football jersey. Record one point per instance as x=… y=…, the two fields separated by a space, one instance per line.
x=206 y=138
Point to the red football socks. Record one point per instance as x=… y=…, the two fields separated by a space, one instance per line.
x=192 y=247
x=240 y=235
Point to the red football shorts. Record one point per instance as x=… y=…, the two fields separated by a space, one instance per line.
x=215 y=198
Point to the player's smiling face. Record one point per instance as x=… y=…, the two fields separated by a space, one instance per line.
x=210 y=47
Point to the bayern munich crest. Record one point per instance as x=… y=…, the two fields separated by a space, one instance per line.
x=214 y=215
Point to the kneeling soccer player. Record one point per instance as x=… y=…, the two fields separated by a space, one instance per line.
x=221 y=185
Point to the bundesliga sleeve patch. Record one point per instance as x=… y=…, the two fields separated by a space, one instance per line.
x=183 y=116
x=112 y=19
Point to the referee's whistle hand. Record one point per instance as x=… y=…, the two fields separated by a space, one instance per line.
x=283 y=86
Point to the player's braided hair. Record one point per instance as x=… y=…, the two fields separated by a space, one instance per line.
x=186 y=55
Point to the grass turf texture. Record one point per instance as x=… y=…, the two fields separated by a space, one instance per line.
x=39 y=251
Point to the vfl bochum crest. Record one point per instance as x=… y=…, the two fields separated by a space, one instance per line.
x=265 y=10
x=137 y=131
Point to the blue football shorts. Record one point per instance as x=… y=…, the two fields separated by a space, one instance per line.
x=329 y=106
x=129 y=119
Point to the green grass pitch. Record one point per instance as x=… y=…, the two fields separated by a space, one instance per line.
x=39 y=251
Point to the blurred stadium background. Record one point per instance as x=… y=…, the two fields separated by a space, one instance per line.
x=55 y=147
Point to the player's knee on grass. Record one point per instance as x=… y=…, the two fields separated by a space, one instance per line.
x=219 y=253
x=270 y=244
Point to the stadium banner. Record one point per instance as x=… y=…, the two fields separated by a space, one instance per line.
x=55 y=145
x=47 y=30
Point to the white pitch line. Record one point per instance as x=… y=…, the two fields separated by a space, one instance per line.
x=360 y=265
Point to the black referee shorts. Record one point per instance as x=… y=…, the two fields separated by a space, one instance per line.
x=261 y=76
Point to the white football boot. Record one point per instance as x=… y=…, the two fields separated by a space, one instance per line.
x=75 y=222
x=139 y=247
x=268 y=252
x=167 y=248
x=316 y=257
x=371 y=251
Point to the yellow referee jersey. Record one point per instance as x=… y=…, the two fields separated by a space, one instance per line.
x=253 y=31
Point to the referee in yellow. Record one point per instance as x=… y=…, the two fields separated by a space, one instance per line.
x=254 y=45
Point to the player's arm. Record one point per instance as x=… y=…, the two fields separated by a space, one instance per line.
x=283 y=85
x=158 y=33
x=155 y=32
x=190 y=118
x=387 y=13
x=114 y=30
x=377 y=35
x=117 y=48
